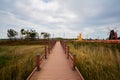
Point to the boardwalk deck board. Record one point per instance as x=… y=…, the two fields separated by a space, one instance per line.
x=56 y=67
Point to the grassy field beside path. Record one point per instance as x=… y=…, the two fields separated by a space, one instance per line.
x=17 y=62
x=97 y=61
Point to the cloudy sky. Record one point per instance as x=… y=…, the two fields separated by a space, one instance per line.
x=64 y=18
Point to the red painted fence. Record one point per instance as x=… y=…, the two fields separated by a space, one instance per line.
x=39 y=58
x=71 y=57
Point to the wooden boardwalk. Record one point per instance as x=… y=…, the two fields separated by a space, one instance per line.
x=56 y=67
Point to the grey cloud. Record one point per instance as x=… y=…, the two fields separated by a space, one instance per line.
x=72 y=15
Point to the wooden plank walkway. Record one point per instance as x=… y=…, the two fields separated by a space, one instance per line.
x=56 y=67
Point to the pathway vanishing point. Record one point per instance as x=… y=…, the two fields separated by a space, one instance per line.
x=56 y=67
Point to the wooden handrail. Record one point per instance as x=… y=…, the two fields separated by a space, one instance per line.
x=39 y=59
x=45 y=52
x=42 y=57
x=81 y=77
x=67 y=52
x=71 y=57
x=74 y=61
x=31 y=73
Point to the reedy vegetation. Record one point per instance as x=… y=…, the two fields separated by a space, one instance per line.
x=17 y=62
x=97 y=61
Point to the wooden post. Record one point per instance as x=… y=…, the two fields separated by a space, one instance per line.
x=45 y=52
x=64 y=46
x=49 y=46
x=38 y=61
x=65 y=49
x=74 y=61
x=48 y=49
x=68 y=51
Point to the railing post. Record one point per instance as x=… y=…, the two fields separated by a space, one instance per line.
x=38 y=61
x=64 y=46
x=48 y=50
x=45 y=52
x=74 y=61
x=49 y=47
x=65 y=49
x=68 y=51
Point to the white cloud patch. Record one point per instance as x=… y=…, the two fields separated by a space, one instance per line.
x=50 y=12
x=57 y=16
x=87 y=31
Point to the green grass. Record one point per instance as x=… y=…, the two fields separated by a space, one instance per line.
x=17 y=62
x=97 y=61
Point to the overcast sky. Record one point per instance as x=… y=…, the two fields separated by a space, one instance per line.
x=64 y=18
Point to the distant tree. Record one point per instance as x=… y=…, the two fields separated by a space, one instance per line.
x=11 y=33
x=31 y=34
x=45 y=35
x=27 y=35
x=42 y=34
x=23 y=32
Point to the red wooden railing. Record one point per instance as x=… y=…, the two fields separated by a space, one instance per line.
x=40 y=59
x=71 y=57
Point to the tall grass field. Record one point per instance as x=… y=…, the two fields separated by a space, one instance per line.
x=17 y=62
x=97 y=61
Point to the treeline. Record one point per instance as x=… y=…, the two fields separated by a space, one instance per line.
x=27 y=34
